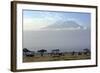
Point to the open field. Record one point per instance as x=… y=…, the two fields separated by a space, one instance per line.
x=65 y=57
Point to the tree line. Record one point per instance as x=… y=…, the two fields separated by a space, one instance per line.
x=54 y=52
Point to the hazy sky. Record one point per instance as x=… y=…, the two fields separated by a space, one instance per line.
x=35 y=20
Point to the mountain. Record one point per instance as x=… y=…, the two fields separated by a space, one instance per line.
x=64 y=25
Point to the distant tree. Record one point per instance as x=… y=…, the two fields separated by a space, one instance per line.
x=55 y=52
x=79 y=53
x=42 y=51
x=26 y=50
x=86 y=51
x=73 y=52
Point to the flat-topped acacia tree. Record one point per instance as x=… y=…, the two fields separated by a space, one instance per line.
x=42 y=51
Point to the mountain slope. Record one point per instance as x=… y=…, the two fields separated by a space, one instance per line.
x=64 y=24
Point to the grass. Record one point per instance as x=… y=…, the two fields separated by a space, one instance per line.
x=66 y=57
